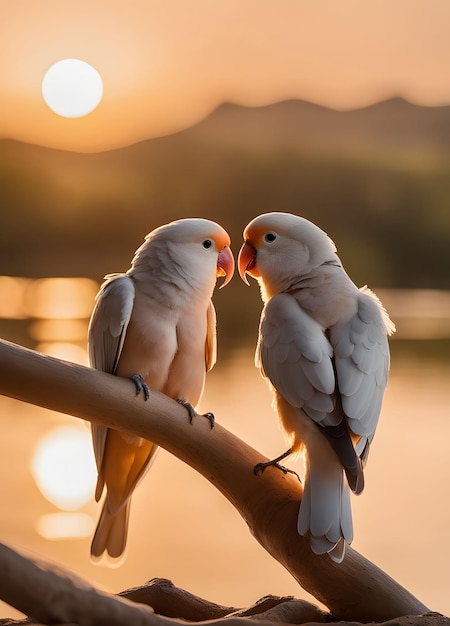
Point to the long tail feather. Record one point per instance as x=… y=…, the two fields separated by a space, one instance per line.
x=325 y=510
x=111 y=533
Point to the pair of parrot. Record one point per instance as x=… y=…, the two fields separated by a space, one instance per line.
x=322 y=347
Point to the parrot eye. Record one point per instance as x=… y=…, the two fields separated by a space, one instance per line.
x=269 y=237
x=207 y=243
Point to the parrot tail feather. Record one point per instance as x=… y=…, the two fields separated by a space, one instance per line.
x=99 y=487
x=111 y=533
x=322 y=545
x=325 y=510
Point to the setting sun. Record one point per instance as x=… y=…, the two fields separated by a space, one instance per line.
x=166 y=65
x=72 y=88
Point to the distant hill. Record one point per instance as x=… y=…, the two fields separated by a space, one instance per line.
x=395 y=124
x=297 y=124
x=377 y=179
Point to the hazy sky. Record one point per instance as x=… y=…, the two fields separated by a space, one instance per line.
x=166 y=63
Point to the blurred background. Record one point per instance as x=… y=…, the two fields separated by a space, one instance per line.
x=338 y=112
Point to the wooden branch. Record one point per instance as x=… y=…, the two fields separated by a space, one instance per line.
x=171 y=601
x=167 y=599
x=355 y=589
x=50 y=595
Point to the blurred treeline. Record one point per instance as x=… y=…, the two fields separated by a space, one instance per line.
x=376 y=179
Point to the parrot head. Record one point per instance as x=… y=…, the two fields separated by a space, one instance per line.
x=200 y=249
x=280 y=247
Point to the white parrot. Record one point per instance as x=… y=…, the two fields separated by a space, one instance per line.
x=156 y=324
x=323 y=347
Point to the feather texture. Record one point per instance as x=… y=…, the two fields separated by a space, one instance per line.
x=158 y=321
x=323 y=348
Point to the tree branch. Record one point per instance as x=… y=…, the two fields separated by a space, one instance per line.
x=170 y=601
x=51 y=595
x=355 y=589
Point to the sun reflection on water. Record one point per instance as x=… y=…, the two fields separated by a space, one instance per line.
x=58 y=330
x=12 y=297
x=64 y=350
x=56 y=311
x=46 y=298
x=64 y=470
x=63 y=467
x=60 y=298
x=176 y=512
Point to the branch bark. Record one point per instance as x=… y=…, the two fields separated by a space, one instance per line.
x=355 y=589
x=50 y=595
x=171 y=601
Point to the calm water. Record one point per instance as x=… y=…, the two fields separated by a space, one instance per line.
x=183 y=529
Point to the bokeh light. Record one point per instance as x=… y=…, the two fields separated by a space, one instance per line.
x=64 y=350
x=60 y=298
x=63 y=467
x=65 y=525
x=12 y=290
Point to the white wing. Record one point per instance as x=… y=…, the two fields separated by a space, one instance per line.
x=106 y=334
x=109 y=321
x=295 y=354
x=362 y=364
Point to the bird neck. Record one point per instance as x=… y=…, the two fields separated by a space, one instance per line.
x=324 y=293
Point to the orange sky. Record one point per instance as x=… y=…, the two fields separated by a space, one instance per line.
x=166 y=63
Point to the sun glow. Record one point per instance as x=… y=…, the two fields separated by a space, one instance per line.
x=63 y=467
x=72 y=88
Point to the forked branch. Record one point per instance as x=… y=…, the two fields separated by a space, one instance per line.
x=355 y=589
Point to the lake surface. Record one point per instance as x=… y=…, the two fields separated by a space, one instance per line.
x=183 y=529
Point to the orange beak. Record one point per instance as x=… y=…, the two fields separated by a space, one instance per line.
x=225 y=265
x=246 y=261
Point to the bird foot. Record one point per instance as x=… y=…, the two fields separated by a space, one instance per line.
x=261 y=467
x=193 y=413
x=141 y=385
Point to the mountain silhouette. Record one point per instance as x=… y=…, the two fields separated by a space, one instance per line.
x=295 y=124
x=395 y=123
x=377 y=179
